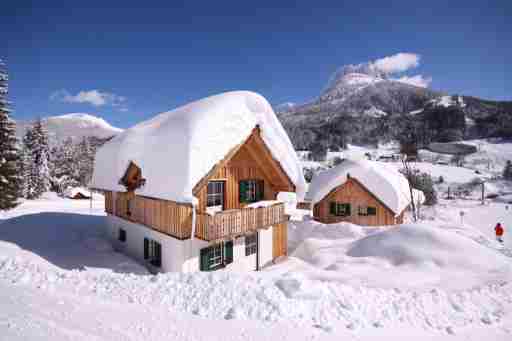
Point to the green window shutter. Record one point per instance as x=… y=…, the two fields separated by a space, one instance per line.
x=146 y=248
x=228 y=252
x=332 y=208
x=242 y=190
x=158 y=251
x=260 y=190
x=347 y=209
x=372 y=211
x=204 y=257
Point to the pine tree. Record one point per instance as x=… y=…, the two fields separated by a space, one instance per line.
x=29 y=167
x=64 y=166
x=507 y=172
x=9 y=176
x=41 y=158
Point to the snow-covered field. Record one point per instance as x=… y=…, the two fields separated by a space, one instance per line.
x=441 y=279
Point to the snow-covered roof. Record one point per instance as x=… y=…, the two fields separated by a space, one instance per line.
x=382 y=180
x=71 y=192
x=176 y=149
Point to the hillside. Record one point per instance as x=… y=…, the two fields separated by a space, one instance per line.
x=363 y=105
x=75 y=126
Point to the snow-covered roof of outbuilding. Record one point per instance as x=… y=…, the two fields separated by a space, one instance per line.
x=176 y=149
x=383 y=181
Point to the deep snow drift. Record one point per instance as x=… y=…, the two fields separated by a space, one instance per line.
x=333 y=284
x=178 y=148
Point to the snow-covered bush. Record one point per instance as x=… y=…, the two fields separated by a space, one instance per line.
x=424 y=183
x=336 y=161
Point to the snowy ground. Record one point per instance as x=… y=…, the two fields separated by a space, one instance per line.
x=59 y=280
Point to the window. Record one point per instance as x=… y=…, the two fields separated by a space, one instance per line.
x=339 y=209
x=122 y=235
x=153 y=252
x=216 y=256
x=251 y=244
x=251 y=190
x=215 y=194
x=367 y=210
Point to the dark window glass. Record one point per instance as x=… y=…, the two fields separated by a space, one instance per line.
x=215 y=194
x=122 y=235
x=153 y=252
x=251 y=244
x=339 y=209
x=251 y=190
x=366 y=210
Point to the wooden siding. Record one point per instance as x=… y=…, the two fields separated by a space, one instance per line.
x=165 y=216
x=244 y=165
x=109 y=207
x=356 y=195
x=280 y=240
x=251 y=160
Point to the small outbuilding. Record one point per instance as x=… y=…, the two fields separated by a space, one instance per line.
x=361 y=192
x=77 y=193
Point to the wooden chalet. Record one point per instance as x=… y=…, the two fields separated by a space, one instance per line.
x=360 y=192
x=235 y=222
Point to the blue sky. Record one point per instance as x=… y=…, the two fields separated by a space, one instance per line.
x=145 y=57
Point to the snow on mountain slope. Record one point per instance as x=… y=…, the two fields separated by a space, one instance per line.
x=75 y=125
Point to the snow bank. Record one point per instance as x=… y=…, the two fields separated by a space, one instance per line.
x=384 y=181
x=178 y=148
x=419 y=245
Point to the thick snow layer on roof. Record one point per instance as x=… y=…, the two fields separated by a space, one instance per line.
x=71 y=192
x=384 y=181
x=178 y=148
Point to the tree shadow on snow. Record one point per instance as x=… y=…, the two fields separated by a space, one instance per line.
x=68 y=241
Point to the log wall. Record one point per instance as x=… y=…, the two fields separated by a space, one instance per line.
x=356 y=195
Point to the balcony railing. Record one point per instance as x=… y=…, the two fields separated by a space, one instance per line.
x=231 y=223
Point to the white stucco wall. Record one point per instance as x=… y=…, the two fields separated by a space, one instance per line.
x=241 y=262
x=265 y=246
x=183 y=255
x=177 y=255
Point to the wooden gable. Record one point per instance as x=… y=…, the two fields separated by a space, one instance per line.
x=249 y=160
x=132 y=178
x=355 y=193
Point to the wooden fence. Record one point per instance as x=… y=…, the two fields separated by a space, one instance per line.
x=175 y=219
x=230 y=223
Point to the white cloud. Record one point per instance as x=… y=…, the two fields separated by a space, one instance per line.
x=399 y=62
x=417 y=80
x=93 y=97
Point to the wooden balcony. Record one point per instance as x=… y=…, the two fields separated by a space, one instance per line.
x=237 y=222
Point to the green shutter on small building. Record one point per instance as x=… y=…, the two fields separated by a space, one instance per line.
x=204 y=257
x=347 y=210
x=228 y=252
x=146 y=248
x=260 y=190
x=242 y=190
x=371 y=211
x=332 y=208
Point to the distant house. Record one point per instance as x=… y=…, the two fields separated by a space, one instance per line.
x=196 y=188
x=77 y=193
x=361 y=192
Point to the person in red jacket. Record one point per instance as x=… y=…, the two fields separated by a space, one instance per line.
x=499 y=232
